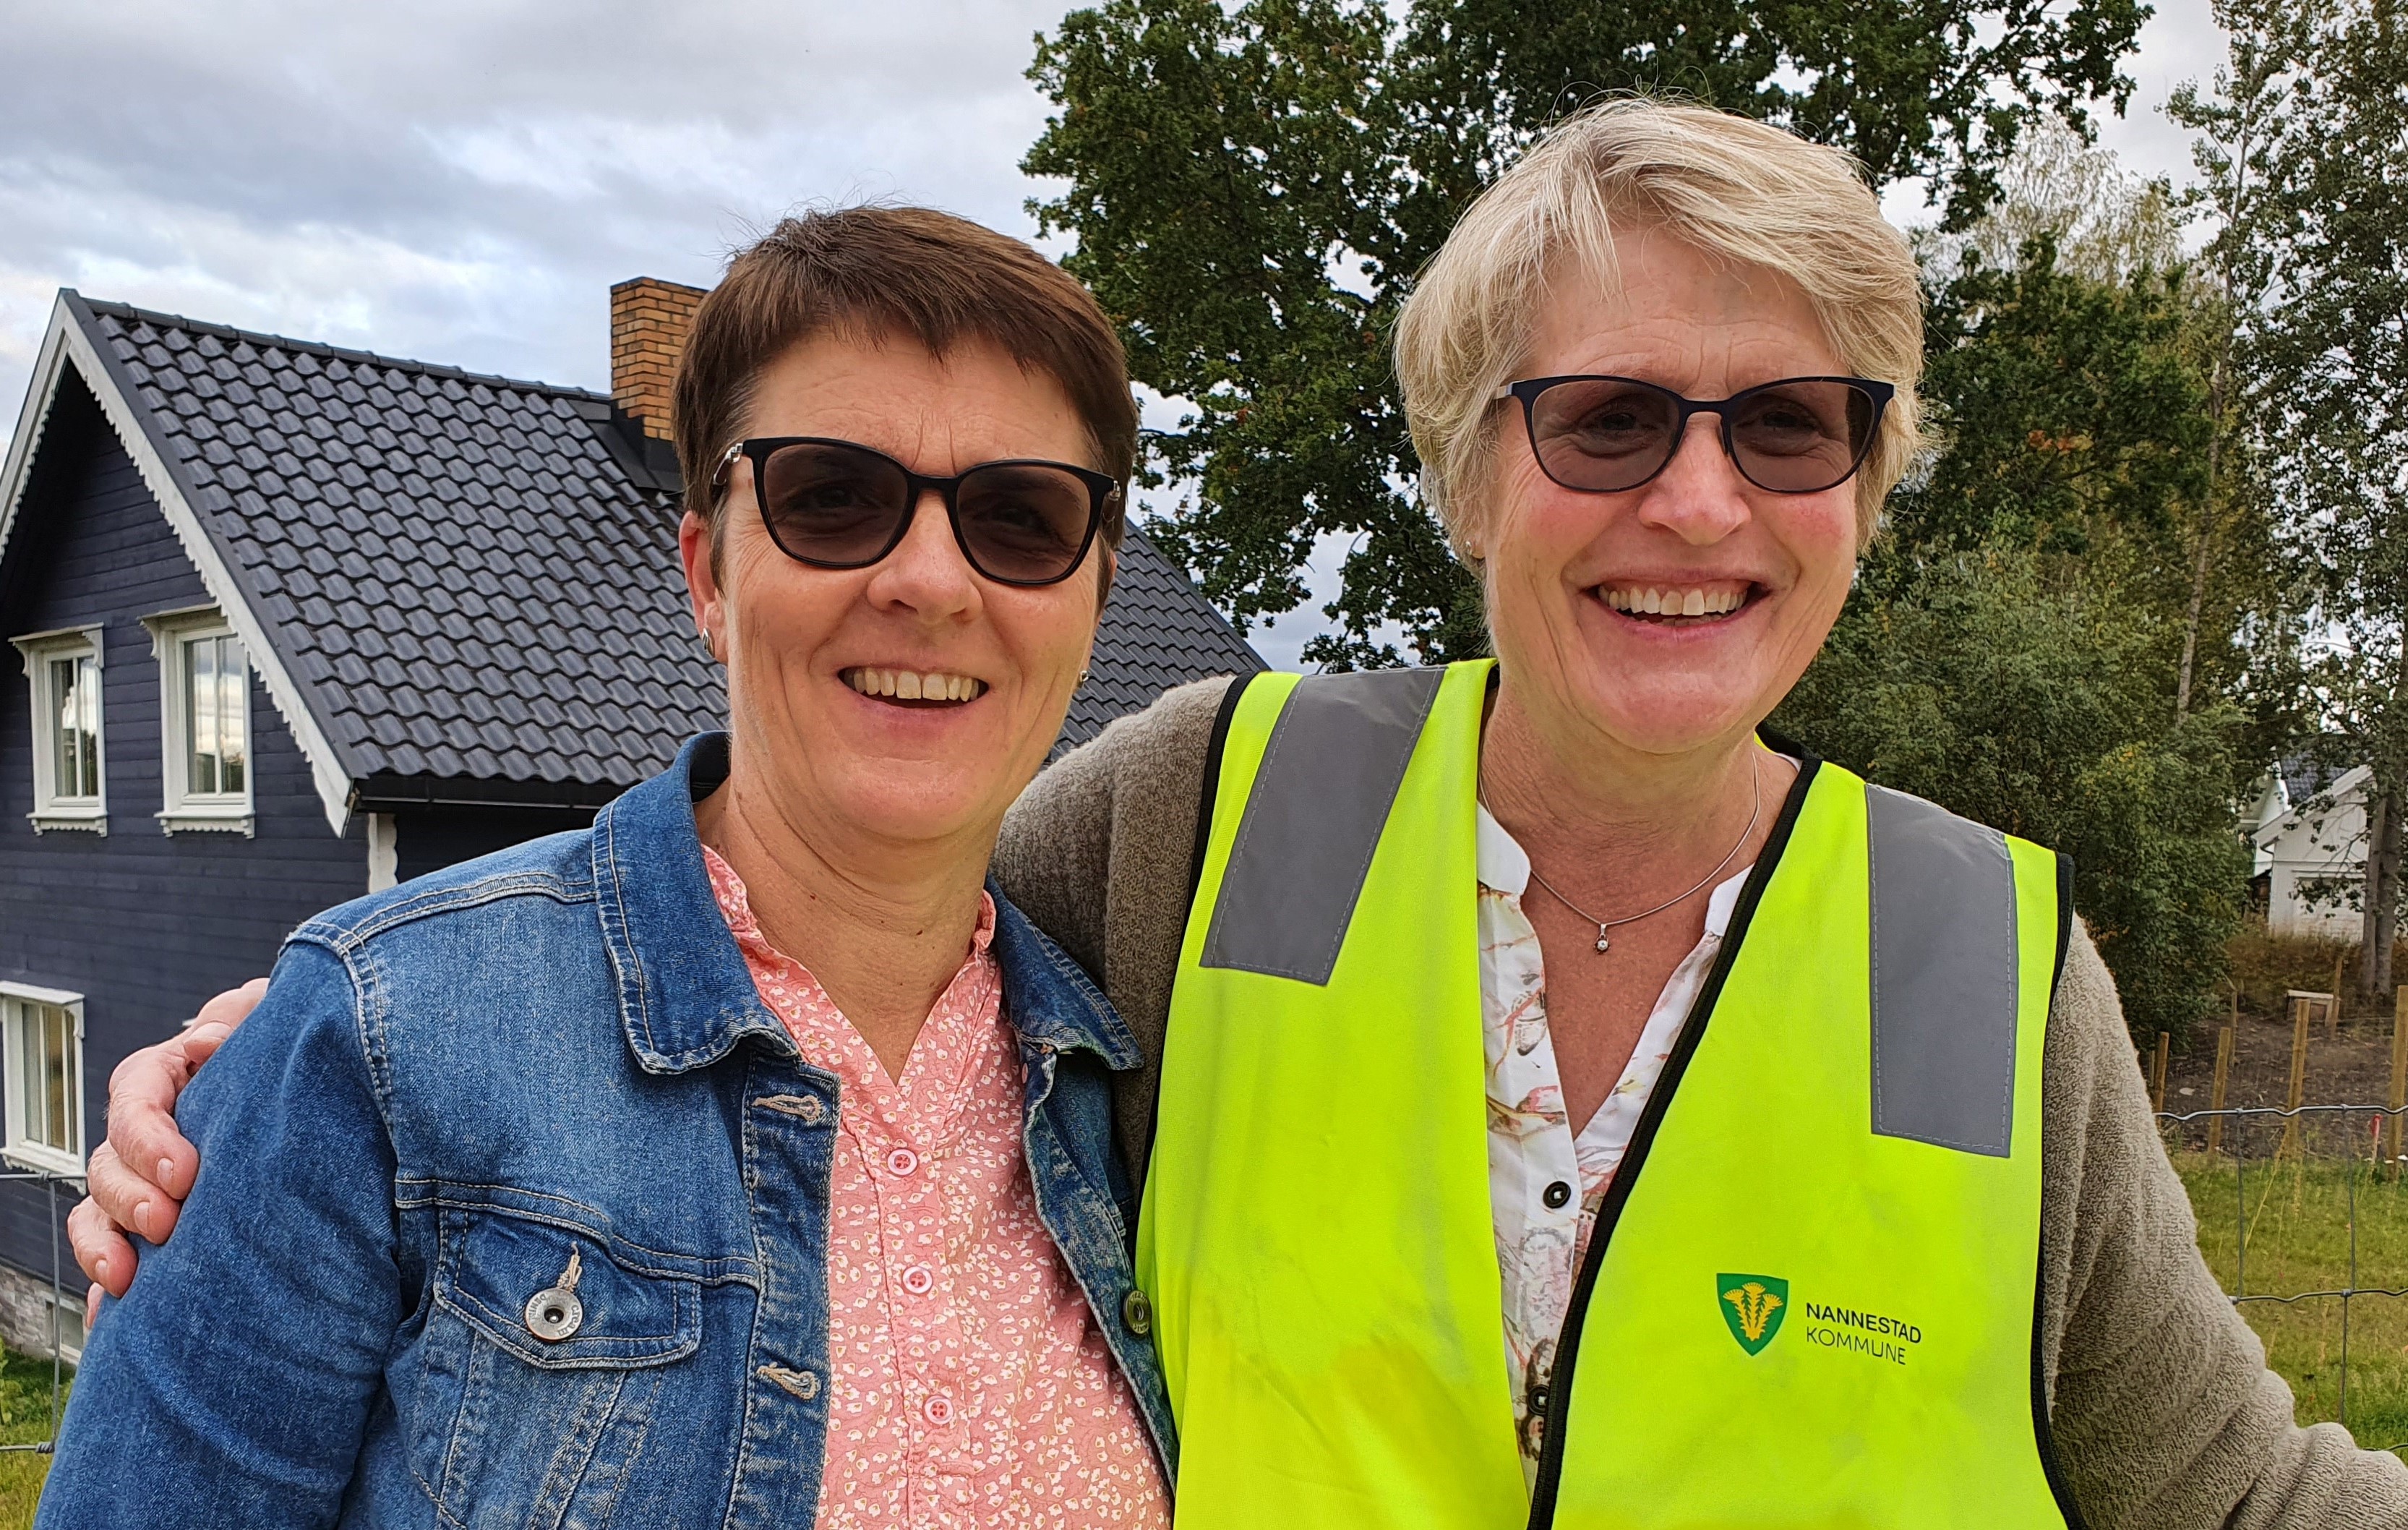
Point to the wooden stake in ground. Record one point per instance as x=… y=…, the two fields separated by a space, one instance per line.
x=2157 y=1074
x=2303 y=1006
x=2224 y=1039
x=2398 y=1080
x=2333 y=1016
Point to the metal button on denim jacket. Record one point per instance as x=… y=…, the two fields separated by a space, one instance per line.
x=514 y=1212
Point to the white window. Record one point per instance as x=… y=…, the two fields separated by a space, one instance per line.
x=217 y=725
x=41 y=1062
x=66 y=1326
x=70 y=784
x=204 y=722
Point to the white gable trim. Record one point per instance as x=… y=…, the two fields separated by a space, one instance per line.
x=68 y=344
x=33 y=419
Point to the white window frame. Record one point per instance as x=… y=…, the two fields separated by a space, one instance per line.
x=66 y=1309
x=14 y=999
x=52 y=810
x=183 y=810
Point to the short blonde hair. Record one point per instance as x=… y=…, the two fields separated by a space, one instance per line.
x=1736 y=188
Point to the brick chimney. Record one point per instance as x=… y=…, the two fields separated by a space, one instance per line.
x=649 y=320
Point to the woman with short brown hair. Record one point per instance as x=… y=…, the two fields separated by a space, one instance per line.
x=743 y=1158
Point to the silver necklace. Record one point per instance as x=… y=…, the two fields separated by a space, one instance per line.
x=1756 y=780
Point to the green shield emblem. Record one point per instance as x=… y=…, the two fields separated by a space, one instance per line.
x=1753 y=1307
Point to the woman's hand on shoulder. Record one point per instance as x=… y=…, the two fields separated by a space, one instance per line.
x=140 y=1177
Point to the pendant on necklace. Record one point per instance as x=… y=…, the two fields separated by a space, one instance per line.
x=1602 y=942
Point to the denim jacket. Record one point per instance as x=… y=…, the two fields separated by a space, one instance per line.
x=460 y=1091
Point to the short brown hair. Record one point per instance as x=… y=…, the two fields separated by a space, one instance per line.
x=905 y=273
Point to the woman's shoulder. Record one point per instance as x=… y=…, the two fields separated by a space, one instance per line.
x=1097 y=851
x=475 y=993
x=1060 y=833
x=503 y=951
x=364 y=970
x=557 y=868
x=1169 y=737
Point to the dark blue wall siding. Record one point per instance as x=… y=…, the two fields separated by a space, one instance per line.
x=144 y=925
x=432 y=838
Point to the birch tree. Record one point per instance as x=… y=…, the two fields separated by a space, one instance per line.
x=2322 y=354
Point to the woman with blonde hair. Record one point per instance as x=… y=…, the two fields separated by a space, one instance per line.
x=1786 y=1127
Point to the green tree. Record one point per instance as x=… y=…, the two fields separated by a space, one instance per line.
x=2014 y=647
x=2105 y=224
x=2232 y=133
x=2335 y=355
x=2070 y=408
x=2304 y=144
x=2028 y=692
x=1253 y=187
x=2080 y=392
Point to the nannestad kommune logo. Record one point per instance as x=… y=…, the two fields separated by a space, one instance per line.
x=1753 y=1305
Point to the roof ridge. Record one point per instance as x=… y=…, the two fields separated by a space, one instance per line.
x=338 y=353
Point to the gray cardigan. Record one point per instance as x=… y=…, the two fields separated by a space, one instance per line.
x=2162 y=1408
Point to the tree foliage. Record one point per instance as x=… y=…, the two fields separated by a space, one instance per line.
x=1253 y=187
x=2076 y=398
x=2014 y=646
x=2332 y=354
x=2070 y=408
x=2028 y=693
x=2304 y=151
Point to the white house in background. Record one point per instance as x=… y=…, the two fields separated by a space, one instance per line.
x=2310 y=845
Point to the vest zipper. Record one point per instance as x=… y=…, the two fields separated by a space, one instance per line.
x=1643 y=1137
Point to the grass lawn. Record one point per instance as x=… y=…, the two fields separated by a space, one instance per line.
x=2300 y=1226
x=25 y=1419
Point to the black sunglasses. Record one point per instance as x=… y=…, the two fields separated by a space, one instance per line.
x=837 y=504
x=1602 y=435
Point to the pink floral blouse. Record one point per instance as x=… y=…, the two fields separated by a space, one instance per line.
x=969 y=1388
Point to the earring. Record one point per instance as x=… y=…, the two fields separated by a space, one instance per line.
x=1083 y=677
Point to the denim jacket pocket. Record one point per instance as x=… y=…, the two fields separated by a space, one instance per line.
x=548 y=1354
x=557 y=1296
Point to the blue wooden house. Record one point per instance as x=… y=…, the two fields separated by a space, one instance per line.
x=299 y=622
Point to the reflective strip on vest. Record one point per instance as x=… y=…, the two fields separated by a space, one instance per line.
x=1943 y=975
x=1320 y=797
x=1811 y=1296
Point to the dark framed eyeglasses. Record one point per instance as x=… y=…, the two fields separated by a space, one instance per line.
x=1602 y=435
x=837 y=504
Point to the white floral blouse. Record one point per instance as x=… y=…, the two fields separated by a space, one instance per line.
x=1544 y=1184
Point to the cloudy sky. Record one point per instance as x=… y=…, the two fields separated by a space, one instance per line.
x=463 y=181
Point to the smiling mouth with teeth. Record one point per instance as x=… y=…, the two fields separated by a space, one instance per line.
x=1678 y=603
x=915 y=687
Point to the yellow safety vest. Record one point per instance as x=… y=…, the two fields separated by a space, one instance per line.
x=1811 y=1295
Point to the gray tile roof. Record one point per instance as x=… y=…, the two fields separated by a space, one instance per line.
x=472 y=577
x=2310 y=771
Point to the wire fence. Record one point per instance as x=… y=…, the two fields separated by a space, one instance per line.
x=2344 y=1147
x=63 y=1300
